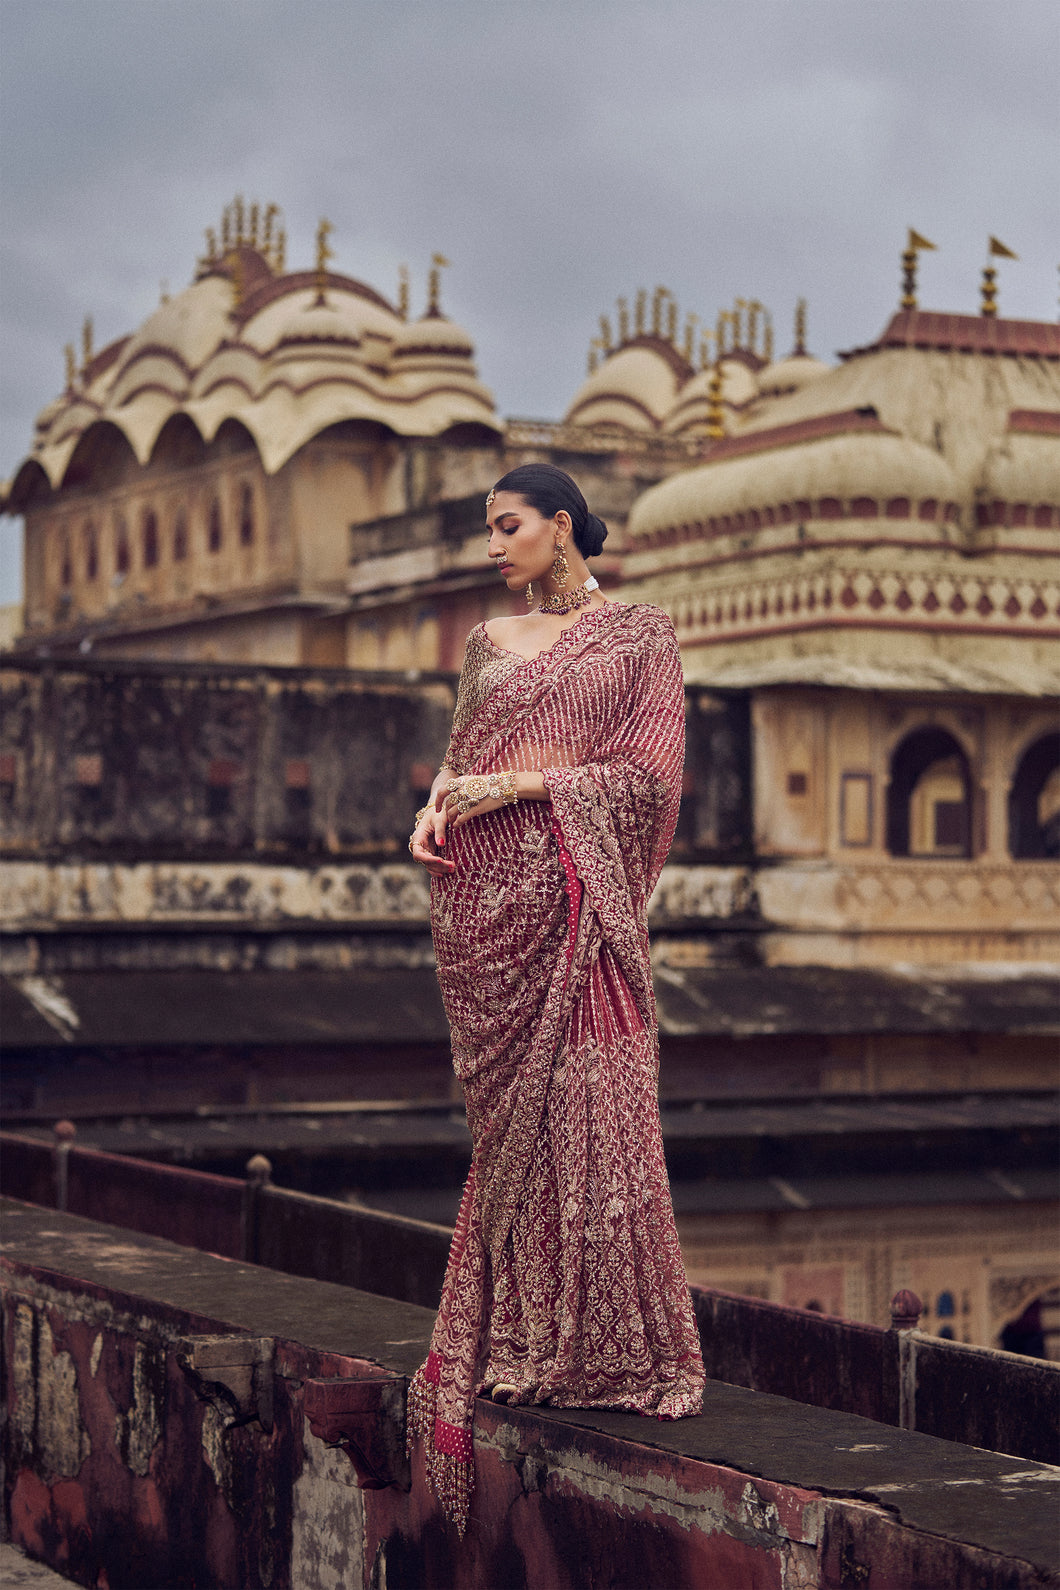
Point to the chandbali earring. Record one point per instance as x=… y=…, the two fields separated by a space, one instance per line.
x=530 y=594
x=561 y=568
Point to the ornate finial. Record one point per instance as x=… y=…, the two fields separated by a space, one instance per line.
x=606 y=340
x=800 y=327
x=739 y=305
x=237 y=210
x=271 y=212
x=690 y=336
x=86 y=343
x=71 y=365
x=211 y=245
x=640 y=312
x=995 y=250
x=594 y=356
x=914 y=245
x=656 y=311
x=226 y=229
x=254 y=208
x=754 y=309
x=324 y=253
x=704 y=350
x=434 y=287
x=281 y=252
x=671 y=320
x=719 y=332
x=403 y=291
x=623 y=321
x=767 y=339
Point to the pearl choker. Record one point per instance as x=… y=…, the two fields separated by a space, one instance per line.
x=569 y=601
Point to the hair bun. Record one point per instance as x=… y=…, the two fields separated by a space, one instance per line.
x=593 y=536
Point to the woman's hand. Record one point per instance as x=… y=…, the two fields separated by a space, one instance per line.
x=428 y=836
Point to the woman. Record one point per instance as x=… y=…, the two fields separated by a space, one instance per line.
x=544 y=834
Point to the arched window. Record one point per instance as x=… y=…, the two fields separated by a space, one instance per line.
x=929 y=799
x=246 y=518
x=1034 y=802
x=180 y=536
x=91 y=550
x=150 y=539
x=213 y=529
x=121 y=546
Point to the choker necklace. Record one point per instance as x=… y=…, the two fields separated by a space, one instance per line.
x=569 y=601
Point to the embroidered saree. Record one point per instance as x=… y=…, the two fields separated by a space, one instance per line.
x=565 y=1278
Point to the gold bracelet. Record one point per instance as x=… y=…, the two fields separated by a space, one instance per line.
x=421 y=814
x=464 y=793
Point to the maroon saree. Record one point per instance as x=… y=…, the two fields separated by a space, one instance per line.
x=565 y=1277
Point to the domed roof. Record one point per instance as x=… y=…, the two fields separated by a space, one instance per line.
x=791 y=374
x=299 y=354
x=692 y=409
x=434 y=334
x=843 y=462
x=1025 y=466
x=634 y=388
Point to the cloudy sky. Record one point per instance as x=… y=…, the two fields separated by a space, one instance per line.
x=558 y=152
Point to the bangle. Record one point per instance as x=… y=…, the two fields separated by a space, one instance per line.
x=421 y=814
x=464 y=793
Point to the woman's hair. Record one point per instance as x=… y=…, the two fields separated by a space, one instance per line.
x=548 y=489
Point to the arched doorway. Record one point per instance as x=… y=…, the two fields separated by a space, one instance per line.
x=929 y=799
x=1034 y=802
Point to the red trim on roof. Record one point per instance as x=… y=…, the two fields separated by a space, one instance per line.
x=946 y=333
x=843 y=422
x=1035 y=422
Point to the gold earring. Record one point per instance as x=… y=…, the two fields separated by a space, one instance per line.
x=530 y=594
x=561 y=568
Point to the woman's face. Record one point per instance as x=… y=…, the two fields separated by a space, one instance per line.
x=522 y=541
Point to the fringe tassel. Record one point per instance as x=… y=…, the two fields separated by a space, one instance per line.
x=450 y=1473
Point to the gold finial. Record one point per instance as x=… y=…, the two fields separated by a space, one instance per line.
x=767 y=339
x=71 y=365
x=439 y=263
x=254 y=224
x=640 y=312
x=739 y=305
x=86 y=343
x=719 y=332
x=995 y=250
x=623 y=321
x=594 y=360
x=671 y=320
x=239 y=220
x=403 y=291
x=606 y=340
x=226 y=229
x=281 y=252
x=271 y=212
x=704 y=349
x=915 y=244
x=211 y=245
x=690 y=336
x=656 y=311
x=324 y=253
x=754 y=309
x=800 y=327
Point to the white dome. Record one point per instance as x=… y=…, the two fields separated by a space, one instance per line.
x=634 y=387
x=791 y=374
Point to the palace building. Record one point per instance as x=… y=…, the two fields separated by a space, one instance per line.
x=281 y=474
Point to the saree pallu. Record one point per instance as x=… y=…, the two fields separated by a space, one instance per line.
x=565 y=1280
